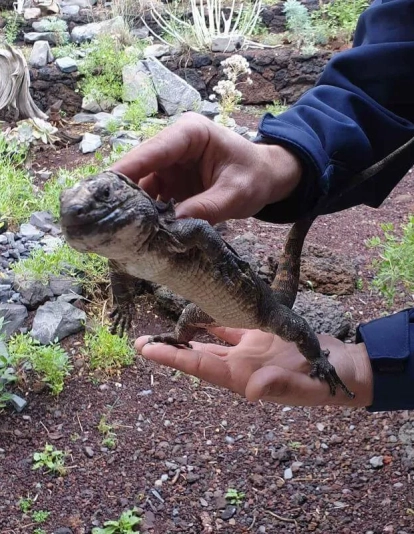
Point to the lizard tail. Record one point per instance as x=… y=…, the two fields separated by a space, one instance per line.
x=286 y=282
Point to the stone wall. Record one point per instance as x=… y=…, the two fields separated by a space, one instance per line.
x=277 y=74
x=49 y=84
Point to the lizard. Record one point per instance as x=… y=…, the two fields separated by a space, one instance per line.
x=112 y=216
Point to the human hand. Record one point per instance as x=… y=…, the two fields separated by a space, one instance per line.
x=260 y=365
x=212 y=171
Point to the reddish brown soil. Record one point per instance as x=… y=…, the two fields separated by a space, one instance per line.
x=213 y=439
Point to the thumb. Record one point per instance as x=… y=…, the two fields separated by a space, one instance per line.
x=283 y=386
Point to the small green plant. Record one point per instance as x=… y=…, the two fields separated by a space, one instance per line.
x=106 y=429
x=276 y=108
x=126 y=524
x=12 y=28
x=40 y=516
x=338 y=18
x=50 y=362
x=25 y=504
x=394 y=268
x=39 y=531
x=66 y=50
x=107 y=351
x=234 y=497
x=359 y=284
x=294 y=444
x=50 y=459
x=7 y=376
x=135 y=115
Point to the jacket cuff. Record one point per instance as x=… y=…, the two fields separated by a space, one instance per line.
x=390 y=345
x=315 y=163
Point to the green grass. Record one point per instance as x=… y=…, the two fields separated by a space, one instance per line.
x=40 y=265
x=107 y=351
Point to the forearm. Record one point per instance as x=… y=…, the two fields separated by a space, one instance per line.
x=360 y=110
x=389 y=343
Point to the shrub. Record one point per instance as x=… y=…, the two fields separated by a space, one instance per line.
x=339 y=18
x=49 y=362
x=102 y=68
x=107 y=351
x=394 y=268
x=299 y=26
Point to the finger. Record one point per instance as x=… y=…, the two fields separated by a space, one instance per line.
x=184 y=141
x=233 y=336
x=217 y=350
x=203 y=365
x=282 y=386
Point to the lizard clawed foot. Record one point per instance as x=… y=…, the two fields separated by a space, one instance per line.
x=169 y=339
x=325 y=371
x=121 y=317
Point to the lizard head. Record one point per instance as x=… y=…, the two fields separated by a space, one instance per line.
x=107 y=214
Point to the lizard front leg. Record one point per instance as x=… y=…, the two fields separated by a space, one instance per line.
x=199 y=233
x=191 y=321
x=123 y=288
x=291 y=327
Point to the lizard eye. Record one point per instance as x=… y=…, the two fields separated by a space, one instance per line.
x=104 y=193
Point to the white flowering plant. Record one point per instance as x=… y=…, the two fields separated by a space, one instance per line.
x=235 y=68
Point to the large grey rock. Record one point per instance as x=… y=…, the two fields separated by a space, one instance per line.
x=32 y=292
x=70 y=11
x=67 y=64
x=57 y=320
x=84 y=118
x=30 y=232
x=156 y=50
x=18 y=403
x=45 y=222
x=90 y=143
x=14 y=316
x=209 y=109
x=82 y=4
x=119 y=111
x=31 y=13
x=40 y=55
x=324 y=314
x=54 y=38
x=63 y=285
x=103 y=120
x=124 y=139
x=227 y=44
x=44 y=25
x=137 y=85
x=89 y=103
x=174 y=94
x=87 y=32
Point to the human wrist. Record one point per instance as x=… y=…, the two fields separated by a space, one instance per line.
x=283 y=171
x=363 y=381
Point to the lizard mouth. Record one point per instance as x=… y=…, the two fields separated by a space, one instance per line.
x=77 y=223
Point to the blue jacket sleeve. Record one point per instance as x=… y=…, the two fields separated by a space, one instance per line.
x=390 y=345
x=360 y=110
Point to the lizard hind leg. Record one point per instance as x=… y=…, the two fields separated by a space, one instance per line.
x=191 y=321
x=325 y=371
